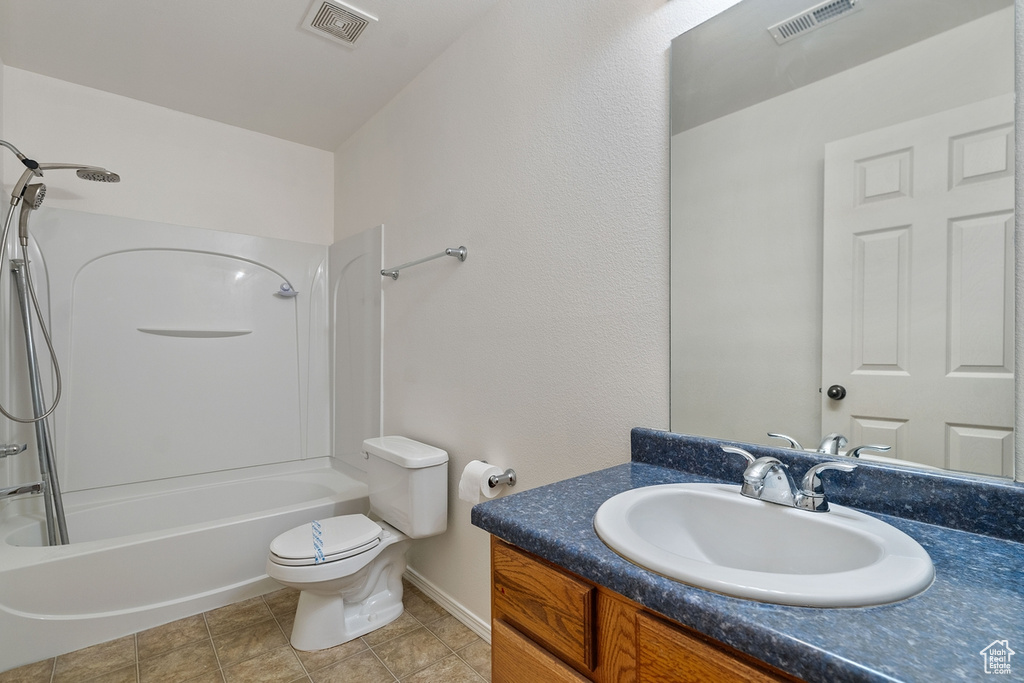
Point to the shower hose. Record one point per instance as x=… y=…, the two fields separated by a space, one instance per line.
x=39 y=316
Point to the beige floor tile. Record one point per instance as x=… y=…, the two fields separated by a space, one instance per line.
x=170 y=636
x=422 y=607
x=128 y=674
x=478 y=656
x=208 y=677
x=318 y=659
x=276 y=665
x=360 y=668
x=402 y=624
x=248 y=642
x=286 y=624
x=283 y=602
x=234 y=617
x=37 y=672
x=88 y=663
x=452 y=632
x=183 y=664
x=411 y=652
x=451 y=669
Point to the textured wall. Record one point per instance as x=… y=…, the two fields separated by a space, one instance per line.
x=175 y=168
x=540 y=141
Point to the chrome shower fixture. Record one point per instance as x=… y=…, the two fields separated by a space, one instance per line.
x=29 y=163
x=33 y=196
x=94 y=173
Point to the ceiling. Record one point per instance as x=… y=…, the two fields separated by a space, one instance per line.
x=247 y=63
x=731 y=61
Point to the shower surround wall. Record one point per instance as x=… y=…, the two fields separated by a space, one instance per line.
x=178 y=354
x=197 y=416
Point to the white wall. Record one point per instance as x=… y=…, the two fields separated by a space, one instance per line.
x=175 y=168
x=5 y=383
x=748 y=191
x=538 y=141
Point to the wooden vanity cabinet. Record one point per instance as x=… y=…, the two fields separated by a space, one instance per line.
x=550 y=625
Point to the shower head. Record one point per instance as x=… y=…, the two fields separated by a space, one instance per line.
x=33 y=196
x=98 y=175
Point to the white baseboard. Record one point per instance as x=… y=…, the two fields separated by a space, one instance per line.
x=457 y=610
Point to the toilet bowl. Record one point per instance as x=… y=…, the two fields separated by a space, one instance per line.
x=349 y=568
x=334 y=605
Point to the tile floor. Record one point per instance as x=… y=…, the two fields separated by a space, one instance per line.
x=247 y=642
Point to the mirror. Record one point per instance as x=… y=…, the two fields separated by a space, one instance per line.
x=815 y=245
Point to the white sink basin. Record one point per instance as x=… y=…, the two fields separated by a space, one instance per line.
x=710 y=536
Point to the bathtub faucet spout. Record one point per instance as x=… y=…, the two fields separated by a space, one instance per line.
x=34 y=487
x=11 y=449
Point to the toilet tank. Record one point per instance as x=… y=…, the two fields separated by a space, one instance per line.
x=408 y=483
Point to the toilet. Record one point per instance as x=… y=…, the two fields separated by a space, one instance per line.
x=349 y=568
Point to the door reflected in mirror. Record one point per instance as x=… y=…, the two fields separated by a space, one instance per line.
x=842 y=216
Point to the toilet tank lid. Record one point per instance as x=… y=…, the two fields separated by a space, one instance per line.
x=405 y=452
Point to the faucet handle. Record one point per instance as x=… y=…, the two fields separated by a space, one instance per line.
x=739 y=451
x=813 y=489
x=855 y=453
x=792 y=442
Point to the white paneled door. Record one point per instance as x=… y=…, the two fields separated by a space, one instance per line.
x=918 y=288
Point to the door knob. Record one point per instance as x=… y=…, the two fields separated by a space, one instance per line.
x=836 y=392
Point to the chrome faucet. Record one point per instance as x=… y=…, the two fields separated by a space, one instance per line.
x=832 y=444
x=768 y=479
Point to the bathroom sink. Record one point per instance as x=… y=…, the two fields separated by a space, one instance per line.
x=710 y=536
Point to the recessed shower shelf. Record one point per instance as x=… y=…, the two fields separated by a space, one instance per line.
x=194 y=334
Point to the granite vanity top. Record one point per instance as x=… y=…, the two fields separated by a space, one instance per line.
x=977 y=596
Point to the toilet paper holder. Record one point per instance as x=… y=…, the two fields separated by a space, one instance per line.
x=506 y=478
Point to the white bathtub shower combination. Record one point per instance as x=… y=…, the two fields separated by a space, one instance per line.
x=196 y=423
x=144 y=555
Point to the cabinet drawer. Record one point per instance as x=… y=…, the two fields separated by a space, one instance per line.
x=666 y=654
x=516 y=659
x=547 y=605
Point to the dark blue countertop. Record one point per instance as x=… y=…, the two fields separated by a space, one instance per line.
x=977 y=597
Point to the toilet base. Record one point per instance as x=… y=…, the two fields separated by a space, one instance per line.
x=325 y=619
x=323 y=622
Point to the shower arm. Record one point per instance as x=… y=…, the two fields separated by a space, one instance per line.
x=37 y=170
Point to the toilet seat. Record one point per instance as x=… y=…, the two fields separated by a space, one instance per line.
x=337 y=538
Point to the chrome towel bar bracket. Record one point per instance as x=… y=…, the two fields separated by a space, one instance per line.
x=457 y=252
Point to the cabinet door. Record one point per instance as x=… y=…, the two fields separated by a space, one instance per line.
x=551 y=607
x=665 y=654
x=515 y=659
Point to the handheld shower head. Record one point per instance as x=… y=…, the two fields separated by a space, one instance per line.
x=33 y=196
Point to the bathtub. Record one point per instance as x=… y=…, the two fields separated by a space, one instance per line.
x=146 y=554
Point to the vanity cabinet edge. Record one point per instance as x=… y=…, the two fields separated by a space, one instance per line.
x=624 y=642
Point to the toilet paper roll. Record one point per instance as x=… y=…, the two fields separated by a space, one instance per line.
x=473 y=485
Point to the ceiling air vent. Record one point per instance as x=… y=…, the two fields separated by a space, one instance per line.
x=810 y=19
x=338 y=22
